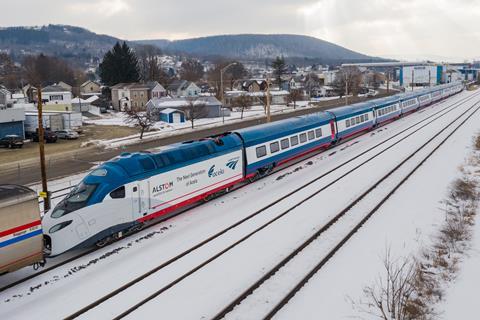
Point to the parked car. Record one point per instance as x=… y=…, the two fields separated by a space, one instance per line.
x=11 y=141
x=49 y=136
x=66 y=134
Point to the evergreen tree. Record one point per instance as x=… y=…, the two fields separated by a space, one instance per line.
x=279 y=68
x=119 y=65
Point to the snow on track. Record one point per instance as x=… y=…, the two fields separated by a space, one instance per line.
x=221 y=281
x=129 y=258
x=404 y=224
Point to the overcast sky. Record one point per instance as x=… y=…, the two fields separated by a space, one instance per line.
x=409 y=29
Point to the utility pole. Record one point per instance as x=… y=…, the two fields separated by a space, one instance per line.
x=223 y=98
x=222 y=70
x=346 y=89
x=429 y=78
x=388 y=81
x=268 y=99
x=41 y=145
x=413 y=77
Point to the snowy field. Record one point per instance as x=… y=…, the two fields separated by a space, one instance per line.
x=163 y=129
x=403 y=223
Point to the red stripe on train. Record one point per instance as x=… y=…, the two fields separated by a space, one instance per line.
x=187 y=202
x=19 y=228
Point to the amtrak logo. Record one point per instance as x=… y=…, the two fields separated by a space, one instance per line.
x=212 y=172
x=232 y=164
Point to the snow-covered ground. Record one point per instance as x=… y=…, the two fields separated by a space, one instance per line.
x=461 y=299
x=404 y=224
x=64 y=290
x=163 y=129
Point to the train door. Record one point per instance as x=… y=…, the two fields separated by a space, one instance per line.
x=332 y=129
x=140 y=199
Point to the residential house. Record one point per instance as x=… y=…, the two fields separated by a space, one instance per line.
x=30 y=92
x=183 y=88
x=5 y=96
x=56 y=97
x=135 y=95
x=65 y=86
x=90 y=88
x=213 y=107
x=156 y=90
x=19 y=98
x=255 y=85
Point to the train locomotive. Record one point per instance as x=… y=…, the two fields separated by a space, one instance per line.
x=121 y=195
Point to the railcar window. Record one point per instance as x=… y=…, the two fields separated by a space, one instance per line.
x=311 y=135
x=261 y=151
x=118 y=193
x=318 y=132
x=147 y=164
x=347 y=123
x=366 y=117
x=294 y=140
x=274 y=147
x=358 y=119
x=303 y=137
x=285 y=144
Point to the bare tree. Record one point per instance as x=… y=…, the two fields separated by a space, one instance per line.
x=312 y=82
x=350 y=77
x=196 y=109
x=234 y=73
x=192 y=70
x=395 y=294
x=142 y=119
x=243 y=103
x=149 y=65
x=9 y=73
x=294 y=96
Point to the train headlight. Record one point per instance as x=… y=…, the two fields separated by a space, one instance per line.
x=59 y=226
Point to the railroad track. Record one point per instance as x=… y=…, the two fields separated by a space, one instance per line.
x=426 y=121
x=311 y=245
x=231 y=227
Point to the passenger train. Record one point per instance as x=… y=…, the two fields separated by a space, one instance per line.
x=121 y=195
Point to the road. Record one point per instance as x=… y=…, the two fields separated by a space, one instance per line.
x=63 y=166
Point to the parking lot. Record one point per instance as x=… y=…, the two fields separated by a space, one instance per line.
x=90 y=132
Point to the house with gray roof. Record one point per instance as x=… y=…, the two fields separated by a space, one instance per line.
x=183 y=88
x=135 y=95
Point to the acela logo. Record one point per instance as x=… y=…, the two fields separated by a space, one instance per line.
x=232 y=164
x=162 y=187
x=212 y=173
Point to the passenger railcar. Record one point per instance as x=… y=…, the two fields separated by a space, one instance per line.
x=120 y=195
x=424 y=98
x=352 y=120
x=273 y=144
x=387 y=109
x=21 y=240
x=409 y=103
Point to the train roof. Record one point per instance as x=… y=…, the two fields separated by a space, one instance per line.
x=386 y=101
x=272 y=130
x=353 y=109
x=11 y=194
x=138 y=163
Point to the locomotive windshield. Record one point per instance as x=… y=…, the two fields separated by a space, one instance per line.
x=81 y=193
x=75 y=200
